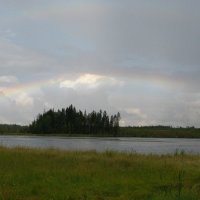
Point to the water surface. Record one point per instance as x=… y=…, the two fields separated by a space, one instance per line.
x=139 y=145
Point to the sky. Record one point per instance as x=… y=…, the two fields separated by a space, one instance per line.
x=137 y=57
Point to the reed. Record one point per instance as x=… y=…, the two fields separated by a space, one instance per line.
x=34 y=174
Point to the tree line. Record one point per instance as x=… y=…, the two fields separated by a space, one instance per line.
x=12 y=128
x=73 y=121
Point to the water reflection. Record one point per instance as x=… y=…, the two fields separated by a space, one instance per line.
x=139 y=145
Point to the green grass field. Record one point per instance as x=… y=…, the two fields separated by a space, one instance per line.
x=59 y=175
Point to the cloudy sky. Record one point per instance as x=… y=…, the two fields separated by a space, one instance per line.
x=138 y=57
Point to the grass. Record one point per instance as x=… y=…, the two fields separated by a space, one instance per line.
x=27 y=174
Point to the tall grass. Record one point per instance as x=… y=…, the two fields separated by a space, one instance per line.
x=27 y=174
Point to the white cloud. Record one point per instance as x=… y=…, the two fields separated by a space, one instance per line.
x=88 y=81
x=24 y=100
x=136 y=111
x=8 y=79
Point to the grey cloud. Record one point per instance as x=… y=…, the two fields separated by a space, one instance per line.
x=157 y=32
x=161 y=34
x=24 y=63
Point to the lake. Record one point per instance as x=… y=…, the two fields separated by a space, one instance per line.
x=121 y=144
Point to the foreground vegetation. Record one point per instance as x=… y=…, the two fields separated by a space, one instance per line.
x=53 y=174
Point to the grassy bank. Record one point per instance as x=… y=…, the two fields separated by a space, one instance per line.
x=52 y=174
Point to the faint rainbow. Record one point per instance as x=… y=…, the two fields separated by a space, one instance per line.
x=158 y=79
x=19 y=88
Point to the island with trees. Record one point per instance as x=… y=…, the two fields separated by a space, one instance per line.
x=73 y=121
x=70 y=121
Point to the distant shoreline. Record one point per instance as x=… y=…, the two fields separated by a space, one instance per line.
x=145 y=132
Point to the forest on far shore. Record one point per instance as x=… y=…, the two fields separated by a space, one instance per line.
x=70 y=121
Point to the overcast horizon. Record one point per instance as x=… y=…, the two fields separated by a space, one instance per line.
x=140 y=58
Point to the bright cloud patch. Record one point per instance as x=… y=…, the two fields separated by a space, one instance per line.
x=24 y=100
x=136 y=111
x=87 y=80
x=8 y=79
